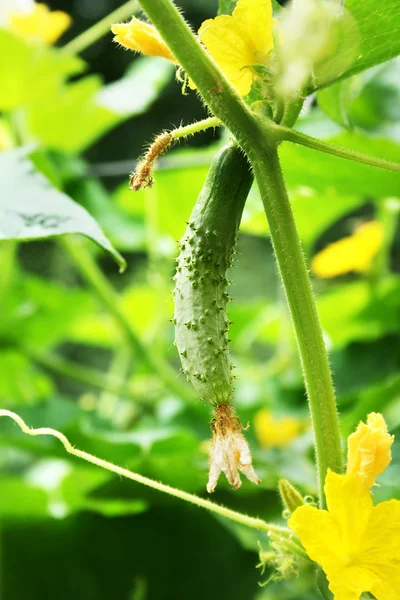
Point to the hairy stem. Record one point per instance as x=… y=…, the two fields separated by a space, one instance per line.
x=109 y=298
x=252 y=522
x=303 y=311
x=98 y=30
x=305 y=140
x=195 y=127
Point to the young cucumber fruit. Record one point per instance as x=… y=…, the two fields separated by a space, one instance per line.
x=206 y=252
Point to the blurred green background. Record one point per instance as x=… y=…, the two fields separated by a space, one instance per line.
x=69 y=530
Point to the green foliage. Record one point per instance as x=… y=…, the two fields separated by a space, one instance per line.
x=119 y=539
x=378 y=26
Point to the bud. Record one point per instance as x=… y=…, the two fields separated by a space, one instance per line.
x=142 y=37
x=229 y=451
x=368 y=452
x=291 y=498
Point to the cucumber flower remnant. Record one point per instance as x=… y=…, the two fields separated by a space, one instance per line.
x=229 y=450
x=236 y=43
x=356 y=543
x=352 y=253
x=36 y=22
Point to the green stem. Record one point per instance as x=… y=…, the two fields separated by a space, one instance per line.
x=303 y=311
x=109 y=298
x=98 y=30
x=196 y=127
x=296 y=137
x=252 y=522
x=76 y=372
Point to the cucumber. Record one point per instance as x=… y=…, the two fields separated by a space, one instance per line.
x=200 y=295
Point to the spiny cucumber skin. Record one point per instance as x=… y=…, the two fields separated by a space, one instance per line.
x=200 y=295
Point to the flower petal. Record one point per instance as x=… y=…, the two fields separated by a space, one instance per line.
x=380 y=551
x=349 y=583
x=319 y=534
x=350 y=504
x=142 y=37
x=369 y=449
x=254 y=17
x=224 y=43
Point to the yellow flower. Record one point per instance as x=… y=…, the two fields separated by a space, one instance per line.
x=236 y=42
x=242 y=40
x=353 y=253
x=40 y=24
x=356 y=543
x=142 y=37
x=369 y=450
x=271 y=431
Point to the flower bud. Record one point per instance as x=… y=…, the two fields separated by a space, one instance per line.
x=142 y=37
x=291 y=498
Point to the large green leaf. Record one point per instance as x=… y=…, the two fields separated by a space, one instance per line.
x=30 y=208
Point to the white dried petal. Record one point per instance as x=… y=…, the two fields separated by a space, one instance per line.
x=230 y=451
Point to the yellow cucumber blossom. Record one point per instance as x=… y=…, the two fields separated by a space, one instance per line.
x=142 y=37
x=369 y=452
x=356 y=543
x=236 y=43
x=352 y=253
x=274 y=431
x=229 y=450
x=240 y=41
x=38 y=24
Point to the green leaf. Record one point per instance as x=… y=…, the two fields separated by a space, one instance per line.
x=376 y=108
x=226 y=7
x=378 y=23
x=72 y=119
x=42 y=312
x=134 y=93
x=336 y=99
x=319 y=171
x=30 y=208
x=23 y=383
x=30 y=72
